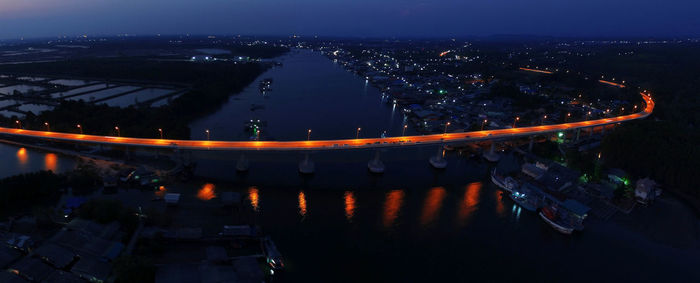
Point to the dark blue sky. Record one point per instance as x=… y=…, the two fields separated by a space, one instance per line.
x=33 y=18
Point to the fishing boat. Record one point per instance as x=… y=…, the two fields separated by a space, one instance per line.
x=557 y=219
x=507 y=183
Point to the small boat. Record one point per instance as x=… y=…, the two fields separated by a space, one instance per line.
x=523 y=200
x=507 y=183
x=272 y=256
x=557 y=220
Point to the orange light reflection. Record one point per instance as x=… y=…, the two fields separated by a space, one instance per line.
x=432 y=205
x=253 y=197
x=392 y=206
x=302 y=204
x=207 y=192
x=349 y=205
x=50 y=161
x=22 y=156
x=468 y=204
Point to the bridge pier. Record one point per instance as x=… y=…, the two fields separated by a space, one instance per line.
x=491 y=155
x=602 y=132
x=375 y=165
x=306 y=166
x=438 y=161
x=529 y=146
x=242 y=165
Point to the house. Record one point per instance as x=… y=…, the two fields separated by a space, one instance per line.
x=32 y=269
x=172 y=198
x=92 y=268
x=557 y=178
x=11 y=277
x=55 y=255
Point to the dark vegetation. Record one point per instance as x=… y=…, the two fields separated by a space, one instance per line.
x=665 y=147
x=22 y=193
x=211 y=85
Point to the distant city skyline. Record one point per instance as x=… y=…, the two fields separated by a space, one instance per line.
x=359 y=18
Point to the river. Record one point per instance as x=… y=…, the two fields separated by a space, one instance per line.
x=412 y=223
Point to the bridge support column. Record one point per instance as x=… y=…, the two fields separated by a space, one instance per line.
x=529 y=146
x=438 y=161
x=590 y=134
x=375 y=165
x=602 y=132
x=306 y=166
x=242 y=165
x=578 y=134
x=491 y=155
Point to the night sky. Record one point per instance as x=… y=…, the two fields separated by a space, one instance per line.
x=371 y=18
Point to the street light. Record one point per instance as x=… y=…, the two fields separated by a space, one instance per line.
x=19 y=124
x=161 y=133
x=308 y=135
x=446 y=125
x=357 y=134
x=403 y=132
x=207 y=132
x=588 y=115
x=483 y=123
x=544 y=118
x=80 y=128
x=48 y=129
x=516 y=120
x=119 y=133
x=567 y=117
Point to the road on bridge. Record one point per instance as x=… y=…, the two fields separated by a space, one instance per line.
x=329 y=144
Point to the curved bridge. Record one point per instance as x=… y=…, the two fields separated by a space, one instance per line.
x=339 y=144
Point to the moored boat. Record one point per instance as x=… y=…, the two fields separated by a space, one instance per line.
x=552 y=216
x=506 y=183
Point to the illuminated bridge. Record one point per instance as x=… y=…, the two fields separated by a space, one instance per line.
x=338 y=144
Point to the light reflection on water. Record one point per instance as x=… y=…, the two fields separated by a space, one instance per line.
x=432 y=205
x=253 y=197
x=50 y=161
x=302 y=204
x=22 y=156
x=392 y=206
x=500 y=208
x=207 y=192
x=469 y=202
x=349 y=205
